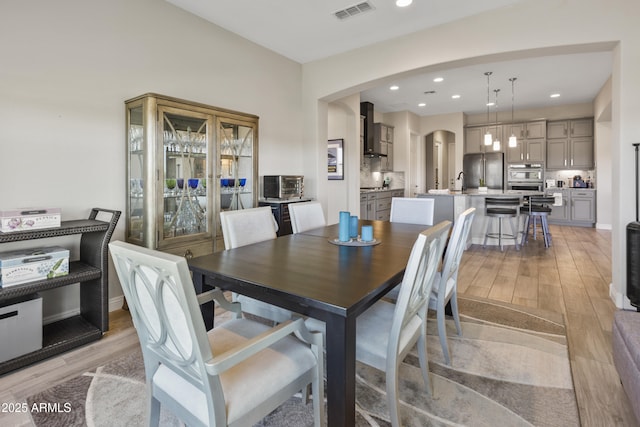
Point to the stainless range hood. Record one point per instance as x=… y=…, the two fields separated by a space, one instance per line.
x=372 y=146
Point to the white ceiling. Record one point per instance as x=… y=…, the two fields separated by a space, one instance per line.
x=307 y=30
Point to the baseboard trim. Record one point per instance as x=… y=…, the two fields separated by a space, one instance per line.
x=116 y=303
x=620 y=300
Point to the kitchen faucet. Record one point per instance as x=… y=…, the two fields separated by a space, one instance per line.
x=459 y=177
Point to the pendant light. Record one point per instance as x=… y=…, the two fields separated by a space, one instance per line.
x=496 y=142
x=488 y=139
x=513 y=141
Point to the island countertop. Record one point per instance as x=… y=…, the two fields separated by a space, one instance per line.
x=489 y=193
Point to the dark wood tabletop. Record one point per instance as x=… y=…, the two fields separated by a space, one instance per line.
x=309 y=275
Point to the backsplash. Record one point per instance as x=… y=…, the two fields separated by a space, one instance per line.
x=567 y=176
x=376 y=179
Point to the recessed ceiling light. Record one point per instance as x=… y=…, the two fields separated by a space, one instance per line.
x=394 y=87
x=422 y=104
x=438 y=79
x=554 y=95
x=403 y=3
x=490 y=104
x=455 y=96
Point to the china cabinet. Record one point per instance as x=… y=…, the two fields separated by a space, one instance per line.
x=186 y=162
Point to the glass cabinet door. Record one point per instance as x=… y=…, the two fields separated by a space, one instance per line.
x=136 y=152
x=237 y=164
x=185 y=196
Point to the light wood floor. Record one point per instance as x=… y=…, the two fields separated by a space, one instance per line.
x=572 y=277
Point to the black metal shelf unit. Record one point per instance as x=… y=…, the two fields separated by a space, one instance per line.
x=91 y=271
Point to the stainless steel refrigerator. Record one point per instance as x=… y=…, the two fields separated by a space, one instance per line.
x=488 y=166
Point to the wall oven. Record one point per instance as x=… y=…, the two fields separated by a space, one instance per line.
x=525 y=177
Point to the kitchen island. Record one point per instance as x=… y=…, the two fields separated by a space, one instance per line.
x=448 y=205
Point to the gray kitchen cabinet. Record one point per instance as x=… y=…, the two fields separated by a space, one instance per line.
x=535 y=130
x=583 y=206
x=529 y=130
x=376 y=205
x=571 y=153
x=386 y=163
x=528 y=151
x=581 y=128
x=531 y=141
x=383 y=134
x=383 y=206
x=570 y=144
x=474 y=138
x=557 y=153
x=367 y=205
x=581 y=153
x=578 y=207
x=558 y=129
x=559 y=213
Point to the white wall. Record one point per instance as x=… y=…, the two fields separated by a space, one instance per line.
x=68 y=66
x=344 y=123
x=603 y=140
x=569 y=26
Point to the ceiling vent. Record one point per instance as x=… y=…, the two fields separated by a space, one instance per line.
x=356 y=9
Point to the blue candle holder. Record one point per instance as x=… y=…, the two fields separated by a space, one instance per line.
x=366 y=234
x=353 y=227
x=343 y=226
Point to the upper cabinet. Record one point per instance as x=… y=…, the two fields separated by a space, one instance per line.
x=186 y=162
x=570 y=144
x=474 y=138
x=383 y=135
x=531 y=142
x=570 y=128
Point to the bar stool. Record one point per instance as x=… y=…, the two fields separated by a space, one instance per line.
x=500 y=208
x=538 y=208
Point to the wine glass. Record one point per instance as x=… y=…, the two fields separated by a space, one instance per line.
x=193 y=184
x=232 y=184
x=171 y=186
x=225 y=184
x=243 y=182
x=180 y=183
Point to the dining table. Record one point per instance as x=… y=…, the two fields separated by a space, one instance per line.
x=308 y=273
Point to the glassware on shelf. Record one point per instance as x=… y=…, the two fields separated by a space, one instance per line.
x=243 y=182
x=202 y=187
x=171 y=186
x=224 y=183
x=135 y=137
x=180 y=183
x=193 y=184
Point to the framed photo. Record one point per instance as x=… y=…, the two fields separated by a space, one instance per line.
x=335 y=159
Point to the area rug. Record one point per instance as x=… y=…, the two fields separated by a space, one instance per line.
x=510 y=368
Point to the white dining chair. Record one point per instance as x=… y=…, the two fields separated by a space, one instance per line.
x=445 y=289
x=235 y=374
x=412 y=210
x=446 y=286
x=386 y=332
x=306 y=216
x=244 y=227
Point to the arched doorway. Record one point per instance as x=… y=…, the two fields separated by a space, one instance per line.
x=440 y=150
